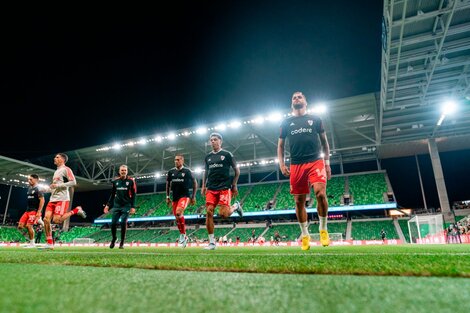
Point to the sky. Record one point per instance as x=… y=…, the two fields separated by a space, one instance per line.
x=91 y=78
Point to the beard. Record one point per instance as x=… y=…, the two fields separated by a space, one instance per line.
x=298 y=106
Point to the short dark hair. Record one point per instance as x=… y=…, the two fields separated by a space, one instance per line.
x=35 y=176
x=180 y=155
x=64 y=156
x=216 y=135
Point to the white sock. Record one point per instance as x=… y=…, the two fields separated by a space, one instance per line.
x=304 y=228
x=323 y=220
x=31 y=241
x=211 y=238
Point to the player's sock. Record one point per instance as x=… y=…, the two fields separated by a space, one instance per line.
x=113 y=231
x=323 y=222
x=211 y=238
x=49 y=240
x=182 y=226
x=31 y=241
x=304 y=228
x=123 y=233
x=74 y=211
x=178 y=224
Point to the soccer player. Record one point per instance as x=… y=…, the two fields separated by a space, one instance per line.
x=122 y=202
x=33 y=212
x=307 y=140
x=178 y=181
x=59 y=201
x=217 y=186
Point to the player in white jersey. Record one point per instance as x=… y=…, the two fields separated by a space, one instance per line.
x=59 y=201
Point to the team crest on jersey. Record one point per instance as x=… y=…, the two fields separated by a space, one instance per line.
x=222 y=157
x=34 y=191
x=310 y=122
x=127 y=183
x=182 y=174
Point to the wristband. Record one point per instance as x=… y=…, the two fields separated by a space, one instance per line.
x=327 y=162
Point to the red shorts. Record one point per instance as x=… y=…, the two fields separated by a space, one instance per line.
x=219 y=197
x=304 y=175
x=181 y=203
x=28 y=218
x=58 y=207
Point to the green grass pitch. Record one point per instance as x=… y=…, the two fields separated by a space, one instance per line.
x=406 y=278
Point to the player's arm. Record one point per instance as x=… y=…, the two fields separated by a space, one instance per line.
x=326 y=151
x=133 y=192
x=235 y=177
x=40 y=206
x=111 y=199
x=280 y=156
x=168 y=187
x=193 y=197
x=204 y=177
x=71 y=181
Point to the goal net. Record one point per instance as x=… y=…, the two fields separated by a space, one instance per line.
x=82 y=241
x=426 y=228
x=333 y=236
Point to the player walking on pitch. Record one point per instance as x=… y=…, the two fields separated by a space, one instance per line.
x=307 y=140
x=178 y=181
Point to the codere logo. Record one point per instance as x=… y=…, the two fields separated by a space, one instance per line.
x=216 y=165
x=301 y=130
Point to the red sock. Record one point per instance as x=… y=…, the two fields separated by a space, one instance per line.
x=182 y=226
x=74 y=211
x=49 y=240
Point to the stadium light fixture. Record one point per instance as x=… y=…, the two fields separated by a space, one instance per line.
x=274 y=117
x=258 y=120
x=117 y=146
x=171 y=136
x=319 y=108
x=220 y=127
x=201 y=130
x=235 y=124
x=449 y=107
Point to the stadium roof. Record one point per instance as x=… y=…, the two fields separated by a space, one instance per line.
x=425 y=61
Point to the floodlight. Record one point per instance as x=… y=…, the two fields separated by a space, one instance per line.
x=449 y=107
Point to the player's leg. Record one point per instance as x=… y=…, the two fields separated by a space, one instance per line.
x=210 y=225
x=317 y=178
x=30 y=233
x=22 y=223
x=178 y=210
x=124 y=217
x=299 y=188
x=115 y=214
x=77 y=211
x=48 y=221
x=225 y=209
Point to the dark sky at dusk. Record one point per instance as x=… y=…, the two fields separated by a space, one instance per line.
x=130 y=74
